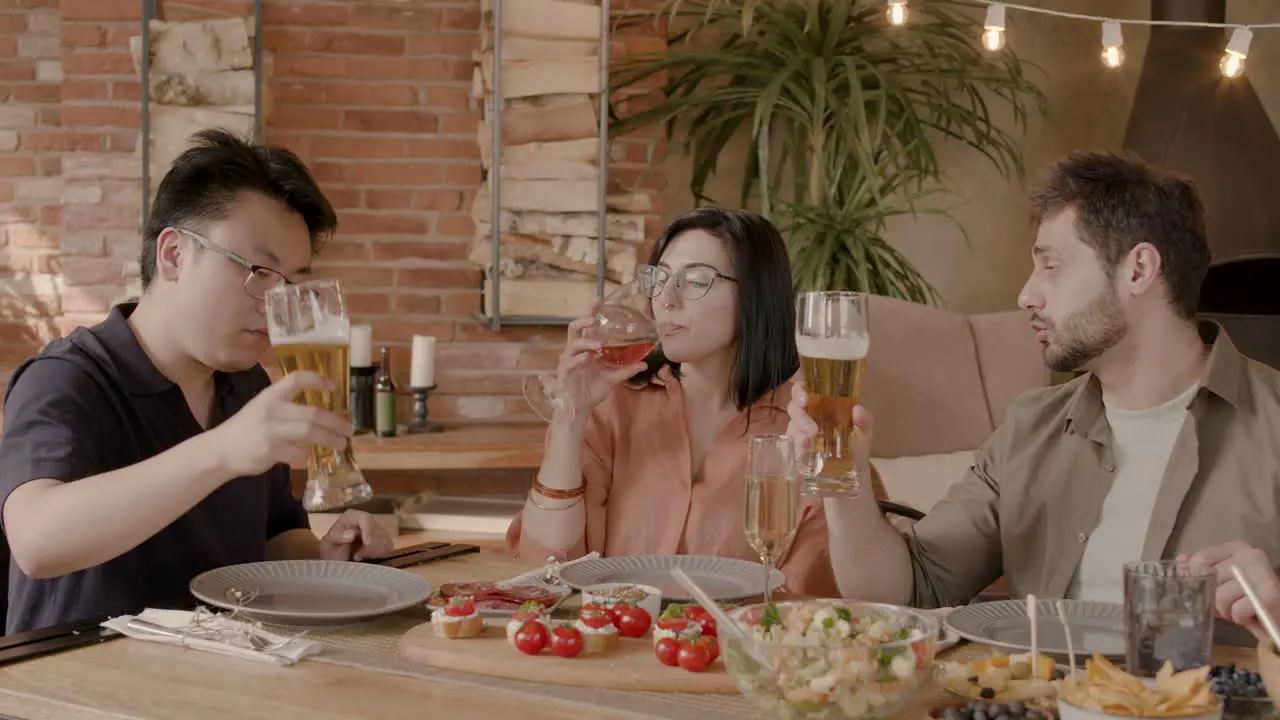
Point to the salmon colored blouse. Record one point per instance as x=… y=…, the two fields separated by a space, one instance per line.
x=642 y=499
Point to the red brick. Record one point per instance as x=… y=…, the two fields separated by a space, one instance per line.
x=404 y=330
x=344 y=249
x=438 y=200
x=459 y=125
x=8 y=47
x=455 y=225
x=100 y=115
x=388 y=68
x=103 y=217
x=96 y=62
x=444 y=148
x=92 y=271
x=277 y=39
x=402 y=121
x=461 y=19
x=462 y=175
x=100 y=10
x=357 y=276
x=182 y=13
x=11 y=166
x=382 y=224
x=6 y=192
x=315 y=66
x=127 y=91
x=356 y=43
x=356 y=146
x=395 y=174
x=442 y=45
x=47 y=140
x=476 y=356
x=42 y=94
x=372 y=94
x=50 y=116
x=367 y=303
x=298 y=92
x=328 y=172
x=446 y=96
x=85 y=89
x=540 y=358
x=344 y=198
x=464 y=382
x=20 y=69
x=310 y=118
x=434 y=278
x=122 y=142
x=274 y=15
x=387 y=199
x=12 y=23
x=479 y=332
x=461 y=303
x=409 y=19
x=418 y=304
x=424 y=250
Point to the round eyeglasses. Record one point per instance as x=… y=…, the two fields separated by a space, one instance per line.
x=693 y=282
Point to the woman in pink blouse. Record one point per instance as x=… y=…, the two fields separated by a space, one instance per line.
x=653 y=461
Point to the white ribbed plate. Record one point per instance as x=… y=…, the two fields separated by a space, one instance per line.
x=724 y=579
x=311 y=592
x=1096 y=627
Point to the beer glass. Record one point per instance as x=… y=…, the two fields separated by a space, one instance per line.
x=624 y=325
x=310 y=330
x=831 y=337
x=773 y=501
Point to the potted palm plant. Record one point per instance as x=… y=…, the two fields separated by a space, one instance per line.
x=843 y=110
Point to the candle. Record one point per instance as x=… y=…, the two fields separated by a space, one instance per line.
x=422 y=372
x=361 y=346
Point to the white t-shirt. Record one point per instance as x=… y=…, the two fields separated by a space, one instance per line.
x=1143 y=442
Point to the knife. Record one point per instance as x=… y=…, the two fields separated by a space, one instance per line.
x=447 y=551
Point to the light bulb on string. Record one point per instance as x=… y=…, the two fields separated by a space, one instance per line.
x=897 y=12
x=1112 y=44
x=993 y=29
x=1232 y=63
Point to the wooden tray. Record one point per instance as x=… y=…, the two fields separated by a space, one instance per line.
x=631 y=666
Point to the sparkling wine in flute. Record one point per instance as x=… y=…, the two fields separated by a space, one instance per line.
x=832 y=371
x=772 y=510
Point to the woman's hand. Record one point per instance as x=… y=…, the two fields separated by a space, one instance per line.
x=588 y=380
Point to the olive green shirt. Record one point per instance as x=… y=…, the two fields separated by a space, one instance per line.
x=1027 y=505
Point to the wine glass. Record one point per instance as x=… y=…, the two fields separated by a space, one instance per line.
x=773 y=498
x=309 y=330
x=625 y=327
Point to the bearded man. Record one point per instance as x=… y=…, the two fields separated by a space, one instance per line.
x=1166 y=446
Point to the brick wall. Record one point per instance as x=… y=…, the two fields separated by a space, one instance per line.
x=374 y=96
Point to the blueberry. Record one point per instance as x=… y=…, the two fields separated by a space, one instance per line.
x=986 y=694
x=1018 y=708
x=953 y=713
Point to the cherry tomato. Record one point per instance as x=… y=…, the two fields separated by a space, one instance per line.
x=531 y=638
x=695 y=655
x=566 y=641
x=679 y=625
x=594 y=617
x=615 y=611
x=459 y=607
x=668 y=651
x=633 y=621
x=703 y=618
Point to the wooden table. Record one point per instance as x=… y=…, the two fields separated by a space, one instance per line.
x=133 y=680
x=459 y=447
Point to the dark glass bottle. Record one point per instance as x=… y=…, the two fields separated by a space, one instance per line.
x=384 y=391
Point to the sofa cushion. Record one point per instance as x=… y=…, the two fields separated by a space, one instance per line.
x=921 y=481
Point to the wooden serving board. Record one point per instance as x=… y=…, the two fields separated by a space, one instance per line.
x=630 y=666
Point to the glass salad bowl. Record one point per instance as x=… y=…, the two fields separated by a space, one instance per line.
x=828 y=659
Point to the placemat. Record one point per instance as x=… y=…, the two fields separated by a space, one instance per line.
x=372 y=646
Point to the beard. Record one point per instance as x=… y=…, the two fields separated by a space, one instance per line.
x=1085 y=334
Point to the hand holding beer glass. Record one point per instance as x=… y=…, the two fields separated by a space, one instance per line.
x=310 y=330
x=832 y=339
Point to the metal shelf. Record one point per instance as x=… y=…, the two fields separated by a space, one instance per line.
x=494 y=175
x=149 y=14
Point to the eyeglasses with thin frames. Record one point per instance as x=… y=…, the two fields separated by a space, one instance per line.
x=260 y=280
x=693 y=282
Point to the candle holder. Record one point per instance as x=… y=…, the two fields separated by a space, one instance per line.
x=420 y=424
x=362 y=398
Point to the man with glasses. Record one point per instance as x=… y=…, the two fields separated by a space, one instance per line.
x=152 y=447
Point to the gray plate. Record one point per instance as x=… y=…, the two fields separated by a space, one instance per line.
x=1096 y=627
x=310 y=593
x=724 y=579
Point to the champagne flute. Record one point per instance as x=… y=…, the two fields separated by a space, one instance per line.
x=773 y=498
x=625 y=327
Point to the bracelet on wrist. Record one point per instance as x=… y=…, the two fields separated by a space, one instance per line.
x=555 y=494
x=540 y=506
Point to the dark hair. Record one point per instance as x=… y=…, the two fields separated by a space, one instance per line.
x=766 y=334
x=1121 y=201
x=204 y=180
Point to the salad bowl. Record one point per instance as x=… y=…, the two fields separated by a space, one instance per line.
x=829 y=659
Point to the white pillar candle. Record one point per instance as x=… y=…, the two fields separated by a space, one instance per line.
x=361 y=346
x=422 y=371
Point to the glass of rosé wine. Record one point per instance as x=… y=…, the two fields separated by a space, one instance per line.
x=624 y=326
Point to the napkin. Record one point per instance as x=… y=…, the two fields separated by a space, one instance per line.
x=235 y=645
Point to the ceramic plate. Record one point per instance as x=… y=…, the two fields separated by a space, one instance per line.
x=438 y=600
x=310 y=592
x=724 y=579
x=1096 y=627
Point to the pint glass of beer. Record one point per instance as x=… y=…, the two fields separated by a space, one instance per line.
x=831 y=336
x=310 y=330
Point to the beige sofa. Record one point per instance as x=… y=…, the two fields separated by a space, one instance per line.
x=939 y=383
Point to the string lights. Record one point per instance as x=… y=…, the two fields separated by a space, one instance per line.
x=994 y=32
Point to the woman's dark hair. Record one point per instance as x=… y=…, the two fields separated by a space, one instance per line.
x=766 y=355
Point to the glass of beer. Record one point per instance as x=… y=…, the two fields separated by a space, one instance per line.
x=773 y=501
x=832 y=339
x=310 y=330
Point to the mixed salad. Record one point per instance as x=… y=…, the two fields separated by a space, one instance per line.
x=832 y=660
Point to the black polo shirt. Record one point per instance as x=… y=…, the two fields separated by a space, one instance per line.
x=92 y=402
